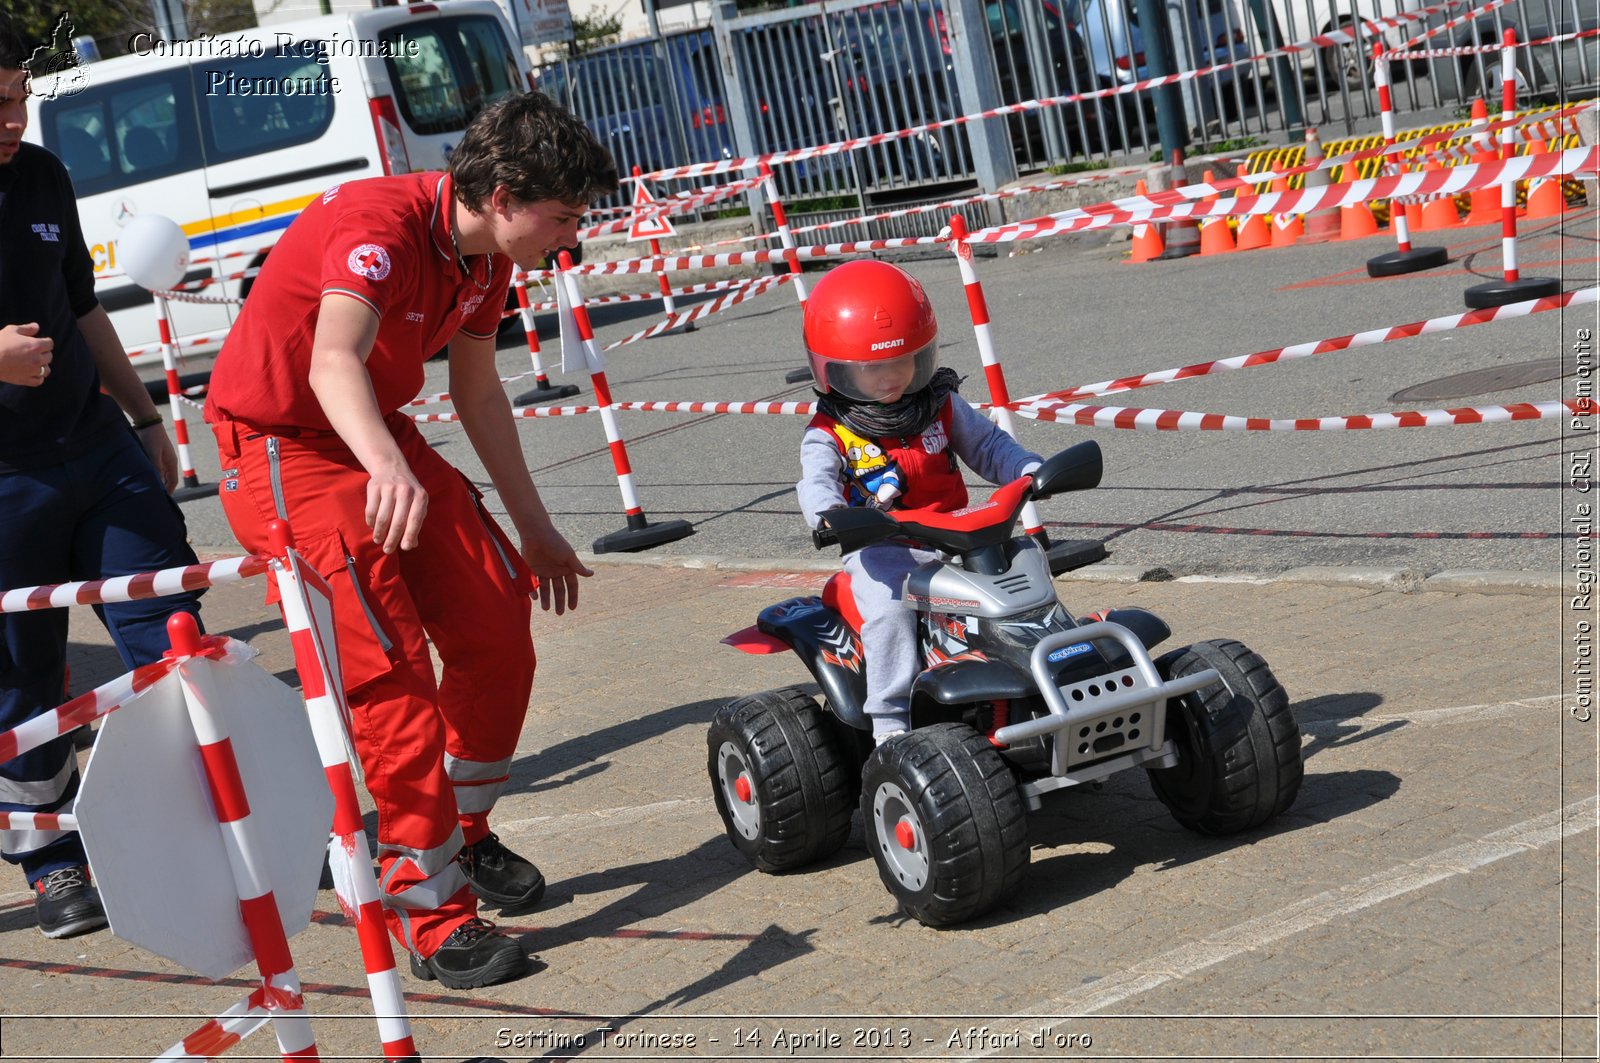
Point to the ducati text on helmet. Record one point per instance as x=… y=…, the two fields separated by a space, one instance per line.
x=870 y=333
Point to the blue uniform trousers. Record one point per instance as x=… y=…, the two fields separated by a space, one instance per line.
x=100 y=515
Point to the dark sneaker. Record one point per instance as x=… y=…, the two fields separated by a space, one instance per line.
x=500 y=876
x=65 y=904
x=475 y=954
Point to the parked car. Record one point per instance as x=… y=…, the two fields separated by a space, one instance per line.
x=900 y=71
x=177 y=135
x=1212 y=34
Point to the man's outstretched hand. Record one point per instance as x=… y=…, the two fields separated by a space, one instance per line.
x=556 y=568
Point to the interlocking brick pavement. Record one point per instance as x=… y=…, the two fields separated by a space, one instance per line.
x=1373 y=919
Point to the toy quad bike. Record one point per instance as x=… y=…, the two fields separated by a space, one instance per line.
x=1018 y=700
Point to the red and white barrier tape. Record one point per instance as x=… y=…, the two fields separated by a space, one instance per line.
x=1451 y=24
x=38 y=821
x=105 y=699
x=182 y=341
x=1335 y=37
x=768 y=256
x=642 y=297
x=131 y=588
x=1482 y=49
x=1430 y=182
x=748 y=290
x=682 y=203
x=196 y=297
x=223 y=1032
x=803 y=409
x=1582 y=297
x=1151 y=420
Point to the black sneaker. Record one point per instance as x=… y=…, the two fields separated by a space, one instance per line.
x=500 y=876
x=66 y=905
x=475 y=954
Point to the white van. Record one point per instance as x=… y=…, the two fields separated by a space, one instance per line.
x=231 y=136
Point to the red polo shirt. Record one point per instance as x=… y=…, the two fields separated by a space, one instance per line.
x=385 y=241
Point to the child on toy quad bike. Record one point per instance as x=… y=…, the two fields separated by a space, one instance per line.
x=888 y=430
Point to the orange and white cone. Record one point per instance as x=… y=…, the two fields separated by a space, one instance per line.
x=1253 y=233
x=1355 y=219
x=1286 y=228
x=1440 y=211
x=1215 y=236
x=1147 y=242
x=1545 y=198
x=1485 y=209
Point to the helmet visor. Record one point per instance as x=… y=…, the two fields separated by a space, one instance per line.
x=882 y=380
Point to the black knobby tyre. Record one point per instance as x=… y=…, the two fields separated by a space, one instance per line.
x=797 y=780
x=967 y=846
x=1239 y=760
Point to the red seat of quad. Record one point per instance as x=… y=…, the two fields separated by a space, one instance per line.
x=837 y=595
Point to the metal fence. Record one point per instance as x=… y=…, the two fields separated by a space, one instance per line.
x=813 y=74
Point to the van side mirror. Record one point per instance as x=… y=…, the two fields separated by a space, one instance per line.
x=1077 y=468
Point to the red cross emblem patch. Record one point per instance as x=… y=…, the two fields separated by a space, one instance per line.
x=370 y=261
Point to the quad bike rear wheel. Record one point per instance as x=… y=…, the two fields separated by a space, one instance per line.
x=945 y=823
x=782 y=785
x=1239 y=760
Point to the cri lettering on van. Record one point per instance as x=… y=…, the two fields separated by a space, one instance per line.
x=104 y=256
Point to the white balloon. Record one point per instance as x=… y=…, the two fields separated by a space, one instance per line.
x=154 y=252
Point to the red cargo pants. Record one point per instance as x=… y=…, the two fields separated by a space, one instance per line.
x=436 y=753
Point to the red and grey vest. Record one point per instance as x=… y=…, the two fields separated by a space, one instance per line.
x=929 y=475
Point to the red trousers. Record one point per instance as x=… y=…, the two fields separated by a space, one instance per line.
x=436 y=753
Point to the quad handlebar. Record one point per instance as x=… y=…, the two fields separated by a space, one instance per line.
x=1077 y=468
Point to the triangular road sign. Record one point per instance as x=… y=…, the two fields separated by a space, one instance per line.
x=648 y=228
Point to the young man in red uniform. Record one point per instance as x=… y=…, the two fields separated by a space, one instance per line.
x=307 y=404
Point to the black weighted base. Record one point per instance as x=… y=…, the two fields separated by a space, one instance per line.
x=642 y=535
x=193 y=491
x=549 y=393
x=1396 y=263
x=1074 y=553
x=797 y=376
x=1501 y=292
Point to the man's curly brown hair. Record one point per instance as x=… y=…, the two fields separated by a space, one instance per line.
x=536 y=148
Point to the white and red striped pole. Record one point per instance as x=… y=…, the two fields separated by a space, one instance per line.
x=1063 y=556
x=347 y=849
x=258 y=907
x=1514 y=288
x=639 y=534
x=192 y=487
x=780 y=222
x=544 y=391
x=1405 y=258
x=661 y=278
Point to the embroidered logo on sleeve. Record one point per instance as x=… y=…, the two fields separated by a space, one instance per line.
x=369 y=261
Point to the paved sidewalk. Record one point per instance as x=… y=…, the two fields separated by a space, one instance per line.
x=1431 y=893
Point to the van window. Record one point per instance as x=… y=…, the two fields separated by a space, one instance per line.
x=239 y=124
x=124 y=133
x=447 y=69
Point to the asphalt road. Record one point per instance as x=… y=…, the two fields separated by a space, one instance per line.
x=1068 y=312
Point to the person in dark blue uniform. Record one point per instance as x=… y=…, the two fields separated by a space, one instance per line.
x=84 y=493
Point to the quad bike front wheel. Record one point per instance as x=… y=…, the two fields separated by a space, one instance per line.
x=945 y=823
x=782 y=785
x=1239 y=760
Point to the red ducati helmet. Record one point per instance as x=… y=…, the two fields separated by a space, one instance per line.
x=870 y=332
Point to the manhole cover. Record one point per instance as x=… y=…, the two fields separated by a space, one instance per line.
x=1482 y=381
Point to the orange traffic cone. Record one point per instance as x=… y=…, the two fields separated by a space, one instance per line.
x=1439 y=212
x=1215 y=236
x=1479 y=125
x=1355 y=219
x=1286 y=228
x=1323 y=223
x=1545 y=198
x=1147 y=242
x=1253 y=233
x=1485 y=208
